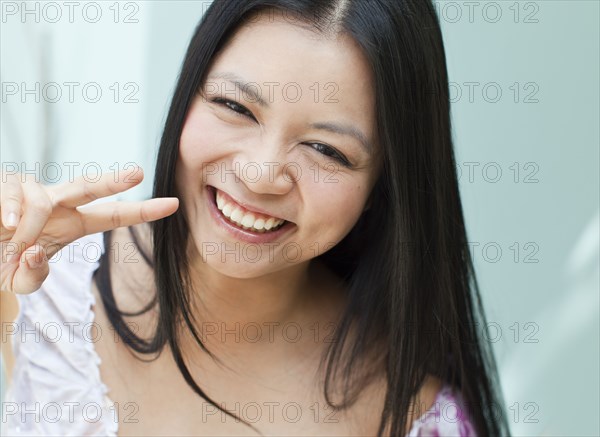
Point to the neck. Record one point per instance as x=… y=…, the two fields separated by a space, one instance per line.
x=275 y=298
x=255 y=324
x=268 y=327
x=239 y=315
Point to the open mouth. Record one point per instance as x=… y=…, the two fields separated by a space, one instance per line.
x=242 y=218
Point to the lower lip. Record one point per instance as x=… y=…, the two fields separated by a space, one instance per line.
x=239 y=233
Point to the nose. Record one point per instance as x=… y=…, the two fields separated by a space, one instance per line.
x=265 y=170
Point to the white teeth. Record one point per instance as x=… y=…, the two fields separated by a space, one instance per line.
x=259 y=224
x=220 y=202
x=248 y=220
x=245 y=220
x=226 y=210
x=236 y=215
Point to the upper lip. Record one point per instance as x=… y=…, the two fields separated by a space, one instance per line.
x=247 y=206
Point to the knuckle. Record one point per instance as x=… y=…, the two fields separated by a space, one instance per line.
x=54 y=201
x=88 y=192
x=41 y=205
x=110 y=187
x=11 y=190
x=11 y=197
x=143 y=214
x=116 y=219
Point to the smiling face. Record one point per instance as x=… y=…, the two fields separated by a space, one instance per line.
x=283 y=130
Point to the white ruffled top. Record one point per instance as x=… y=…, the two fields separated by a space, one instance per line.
x=55 y=388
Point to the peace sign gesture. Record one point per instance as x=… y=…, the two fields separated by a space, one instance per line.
x=38 y=221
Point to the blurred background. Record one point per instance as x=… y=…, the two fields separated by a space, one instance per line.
x=88 y=87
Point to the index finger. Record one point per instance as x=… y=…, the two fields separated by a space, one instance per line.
x=111 y=215
x=85 y=190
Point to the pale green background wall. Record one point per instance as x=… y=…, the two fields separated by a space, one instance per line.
x=541 y=291
x=555 y=300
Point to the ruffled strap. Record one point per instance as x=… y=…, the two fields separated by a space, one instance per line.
x=448 y=416
x=56 y=387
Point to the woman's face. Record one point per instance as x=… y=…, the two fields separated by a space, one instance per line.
x=297 y=143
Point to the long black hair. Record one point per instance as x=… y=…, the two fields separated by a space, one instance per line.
x=407 y=270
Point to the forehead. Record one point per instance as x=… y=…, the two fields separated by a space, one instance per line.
x=277 y=53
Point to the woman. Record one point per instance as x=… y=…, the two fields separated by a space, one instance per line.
x=308 y=146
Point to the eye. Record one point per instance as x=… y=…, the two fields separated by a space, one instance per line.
x=330 y=152
x=238 y=109
x=241 y=111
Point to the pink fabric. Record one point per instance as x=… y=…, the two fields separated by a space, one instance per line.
x=446 y=417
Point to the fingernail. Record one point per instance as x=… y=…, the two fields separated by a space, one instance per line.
x=12 y=220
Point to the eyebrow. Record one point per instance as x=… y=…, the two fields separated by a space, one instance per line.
x=333 y=127
x=244 y=87
x=344 y=129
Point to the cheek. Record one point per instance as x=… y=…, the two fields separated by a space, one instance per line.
x=199 y=140
x=338 y=207
x=194 y=144
x=191 y=144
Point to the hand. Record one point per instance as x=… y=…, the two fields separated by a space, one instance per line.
x=37 y=221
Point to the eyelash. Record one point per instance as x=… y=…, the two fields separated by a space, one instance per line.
x=244 y=112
